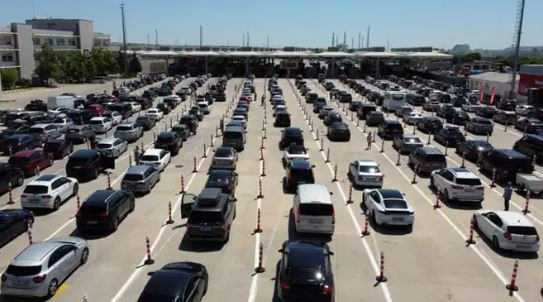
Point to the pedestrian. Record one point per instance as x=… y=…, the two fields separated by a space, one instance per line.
x=92 y=141
x=137 y=155
x=262 y=100
x=369 y=141
x=507 y=192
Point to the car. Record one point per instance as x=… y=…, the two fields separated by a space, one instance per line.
x=406 y=143
x=170 y=141
x=355 y=105
x=364 y=109
x=140 y=178
x=11 y=176
x=374 y=118
x=457 y=184
x=403 y=110
x=318 y=104
x=412 y=117
x=429 y=124
x=445 y=111
x=31 y=161
x=294 y=151
x=49 y=192
x=157 y=158
x=298 y=171
x=20 y=142
x=79 y=133
x=224 y=179
x=145 y=122
x=41 y=268
x=241 y=119
x=505 y=117
x=190 y=121
x=311 y=97
x=388 y=207
x=101 y=124
x=426 y=159
x=291 y=135
x=154 y=113
x=197 y=113
x=104 y=210
x=204 y=107
x=163 y=108
x=13 y=222
x=431 y=106
x=182 y=130
x=505 y=163
x=486 y=111
x=279 y=109
x=479 y=125
x=389 y=129
x=365 y=174
x=532 y=146
x=459 y=117
x=507 y=230
x=224 y=158
x=449 y=136
x=128 y=132
x=96 y=109
x=116 y=117
x=58 y=148
x=471 y=149
x=523 y=109
x=176 y=282
x=112 y=146
x=282 y=119
x=210 y=215
x=87 y=164
x=338 y=131
x=332 y=117
x=62 y=123
x=530 y=126
x=324 y=110
x=305 y=272
x=45 y=131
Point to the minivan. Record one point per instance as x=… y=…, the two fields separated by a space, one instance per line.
x=104 y=209
x=234 y=136
x=140 y=179
x=313 y=210
x=506 y=162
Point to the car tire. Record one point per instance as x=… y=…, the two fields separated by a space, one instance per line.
x=114 y=224
x=56 y=204
x=20 y=180
x=84 y=256
x=446 y=198
x=75 y=190
x=132 y=207
x=53 y=287
x=374 y=218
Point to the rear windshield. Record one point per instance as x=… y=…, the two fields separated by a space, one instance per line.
x=522 y=230
x=369 y=169
x=149 y=158
x=434 y=158
x=316 y=209
x=133 y=177
x=162 y=139
x=34 y=189
x=518 y=163
x=96 y=122
x=103 y=146
x=208 y=217
x=73 y=130
x=124 y=128
x=23 y=270
x=395 y=126
x=78 y=161
x=223 y=153
x=485 y=122
x=93 y=209
x=232 y=134
x=395 y=204
x=468 y=181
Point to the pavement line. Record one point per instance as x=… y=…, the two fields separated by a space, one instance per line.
x=255 y=277
x=485 y=259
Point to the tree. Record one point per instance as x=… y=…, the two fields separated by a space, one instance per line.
x=134 y=66
x=49 y=66
x=104 y=62
x=9 y=76
x=473 y=56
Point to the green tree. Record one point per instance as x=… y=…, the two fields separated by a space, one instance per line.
x=473 y=56
x=9 y=77
x=134 y=66
x=49 y=66
x=105 y=62
x=74 y=67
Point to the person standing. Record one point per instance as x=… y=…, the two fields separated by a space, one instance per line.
x=507 y=193
x=369 y=141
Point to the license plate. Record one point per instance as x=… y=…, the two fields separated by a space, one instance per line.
x=205 y=229
x=522 y=246
x=397 y=219
x=315 y=221
x=20 y=282
x=470 y=189
x=77 y=167
x=92 y=222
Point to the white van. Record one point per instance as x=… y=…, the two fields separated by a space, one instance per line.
x=394 y=100
x=313 y=210
x=101 y=124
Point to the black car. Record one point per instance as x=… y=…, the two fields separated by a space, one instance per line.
x=291 y=135
x=364 y=109
x=458 y=101
x=36 y=105
x=458 y=118
x=10 y=174
x=298 y=171
x=191 y=122
x=311 y=97
x=305 y=272
x=531 y=145
x=282 y=119
x=14 y=222
x=241 y=111
x=104 y=210
x=339 y=131
x=164 y=91
x=389 y=129
x=196 y=112
x=486 y=111
x=18 y=142
x=415 y=99
x=58 y=148
x=472 y=148
x=169 y=140
x=164 y=108
x=331 y=118
x=87 y=164
x=429 y=124
x=449 y=137
x=530 y=126
x=145 y=122
x=353 y=106
x=445 y=111
x=506 y=162
x=210 y=215
x=226 y=180
x=345 y=97
x=318 y=104
x=176 y=282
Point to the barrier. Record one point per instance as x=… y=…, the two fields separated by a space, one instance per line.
x=327 y=160
x=263 y=168
x=526 y=210
x=398 y=159
x=429 y=137
x=350 y=200
x=170 y=220
x=261 y=154
x=260 y=269
x=195 y=169
x=335 y=173
x=211 y=141
x=373 y=136
x=29 y=232
x=78 y=202
x=381 y=277
x=108 y=180
x=463 y=165
x=471 y=227
x=260 y=195
x=512 y=287
x=182 y=185
x=204 y=155
x=258 y=229
x=414 y=180
x=149 y=260
x=317 y=138
x=366 y=231
x=493 y=184
x=10 y=194
x=382 y=146
x=262 y=143
x=322 y=143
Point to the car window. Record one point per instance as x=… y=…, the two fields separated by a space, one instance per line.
x=495 y=219
x=57 y=183
x=58 y=254
x=375 y=196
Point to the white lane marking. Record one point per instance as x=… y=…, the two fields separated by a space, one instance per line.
x=373 y=262
x=254 y=279
x=493 y=267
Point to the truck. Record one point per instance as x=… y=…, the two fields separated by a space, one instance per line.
x=64 y=101
x=394 y=100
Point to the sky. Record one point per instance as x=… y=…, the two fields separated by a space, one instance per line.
x=485 y=24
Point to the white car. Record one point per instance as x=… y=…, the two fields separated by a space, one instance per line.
x=412 y=117
x=48 y=191
x=101 y=124
x=507 y=230
x=366 y=173
x=158 y=158
x=523 y=109
x=241 y=119
x=116 y=117
x=388 y=206
x=155 y=114
x=204 y=107
x=112 y=146
x=62 y=123
x=294 y=151
x=457 y=184
x=136 y=107
x=471 y=107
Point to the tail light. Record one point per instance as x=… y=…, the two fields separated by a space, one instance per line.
x=456 y=187
x=327 y=289
x=289 y=176
x=298 y=212
x=39 y=279
x=4 y=277
x=480 y=188
x=333 y=216
x=46 y=196
x=104 y=215
x=507 y=235
x=285 y=286
x=536 y=237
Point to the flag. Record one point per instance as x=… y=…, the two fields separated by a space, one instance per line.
x=492 y=94
x=481 y=93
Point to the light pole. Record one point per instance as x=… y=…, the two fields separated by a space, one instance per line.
x=124 y=40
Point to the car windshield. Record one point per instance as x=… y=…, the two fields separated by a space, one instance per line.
x=395 y=204
x=468 y=181
x=149 y=158
x=205 y=217
x=36 y=189
x=223 y=152
x=133 y=177
x=412 y=140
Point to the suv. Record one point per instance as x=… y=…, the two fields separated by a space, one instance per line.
x=79 y=133
x=289 y=136
x=129 y=132
x=426 y=160
x=104 y=209
x=311 y=97
x=506 y=162
x=85 y=163
x=45 y=131
x=331 y=118
x=169 y=140
x=190 y=121
x=531 y=145
x=282 y=119
x=10 y=175
x=450 y=136
x=18 y=142
x=145 y=122
x=298 y=171
x=429 y=124
x=479 y=125
x=210 y=215
x=390 y=129
x=457 y=184
x=505 y=117
x=140 y=178
x=112 y=146
x=48 y=191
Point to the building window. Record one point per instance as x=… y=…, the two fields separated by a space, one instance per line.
x=5 y=40
x=49 y=41
x=71 y=42
x=61 y=42
x=36 y=41
x=7 y=58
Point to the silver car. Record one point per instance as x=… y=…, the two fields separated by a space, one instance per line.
x=112 y=146
x=130 y=132
x=225 y=158
x=41 y=267
x=140 y=178
x=79 y=133
x=406 y=143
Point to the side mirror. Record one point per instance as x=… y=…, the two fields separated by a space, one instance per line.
x=312 y=166
x=281 y=250
x=330 y=253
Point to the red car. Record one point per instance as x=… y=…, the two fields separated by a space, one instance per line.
x=31 y=161
x=96 y=109
x=245 y=98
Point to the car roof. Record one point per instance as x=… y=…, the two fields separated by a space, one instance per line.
x=153 y=151
x=35 y=253
x=314 y=193
x=98 y=118
x=100 y=196
x=84 y=153
x=390 y=193
x=108 y=140
x=165 y=284
x=138 y=169
x=366 y=163
x=39 y=125
x=463 y=173
x=45 y=179
x=431 y=150
x=24 y=153
x=511 y=218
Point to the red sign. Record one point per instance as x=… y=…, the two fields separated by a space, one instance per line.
x=481 y=93
x=528 y=81
x=492 y=95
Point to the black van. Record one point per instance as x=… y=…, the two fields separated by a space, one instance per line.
x=507 y=163
x=234 y=136
x=210 y=215
x=389 y=129
x=104 y=210
x=531 y=145
x=85 y=163
x=364 y=109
